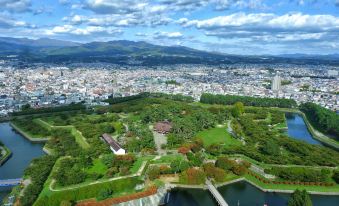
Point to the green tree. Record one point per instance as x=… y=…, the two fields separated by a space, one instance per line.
x=300 y=198
x=238 y=109
x=270 y=147
x=336 y=176
x=104 y=194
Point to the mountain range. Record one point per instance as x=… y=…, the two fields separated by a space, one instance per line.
x=129 y=52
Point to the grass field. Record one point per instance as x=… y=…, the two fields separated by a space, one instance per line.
x=137 y=164
x=217 y=135
x=169 y=158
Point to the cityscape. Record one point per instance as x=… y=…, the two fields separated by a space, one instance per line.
x=53 y=86
x=169 y=103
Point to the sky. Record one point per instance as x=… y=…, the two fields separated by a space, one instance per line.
x=251 y=27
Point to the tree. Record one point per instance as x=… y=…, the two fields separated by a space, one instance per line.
x=238 y=109
x=192 y=176
x=25 y=107
x=214 y=172
x=225 y=163
x=104 y=194
x=300 y=198
x=179 y=165
x=336 y=176
x=214 y=149
x=271 y=148
x=183 y=150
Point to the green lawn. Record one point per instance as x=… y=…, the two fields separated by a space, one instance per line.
x=79 y=138
x=169 y=158
x=137 y=164
x=43 y=124
x=217 y=135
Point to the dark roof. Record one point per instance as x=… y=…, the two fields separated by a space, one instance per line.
x=109 y=140
x=164 y=126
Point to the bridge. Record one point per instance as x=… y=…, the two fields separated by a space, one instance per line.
x=10 y=182
x=220 y=200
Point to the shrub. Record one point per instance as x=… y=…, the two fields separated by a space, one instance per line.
x=192 y=176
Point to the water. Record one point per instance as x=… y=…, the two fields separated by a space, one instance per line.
x=245 y=193
x=23 y=152
x=297 y=129
x=242 y=192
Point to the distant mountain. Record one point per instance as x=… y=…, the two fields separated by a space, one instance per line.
x=310 y=56
x=42 y=42
x=138 y=53
x=127 y=48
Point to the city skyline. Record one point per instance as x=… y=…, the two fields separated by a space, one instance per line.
x=227 y=26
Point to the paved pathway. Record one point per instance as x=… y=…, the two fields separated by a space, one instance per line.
x=159 y=140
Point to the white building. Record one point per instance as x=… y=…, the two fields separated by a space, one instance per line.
x=276 y=83
x=113 y=145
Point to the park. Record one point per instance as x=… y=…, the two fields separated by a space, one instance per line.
x=211 y=140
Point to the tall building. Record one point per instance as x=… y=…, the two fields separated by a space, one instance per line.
x=332 y=73
x=276 y=83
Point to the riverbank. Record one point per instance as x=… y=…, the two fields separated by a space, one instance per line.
x=317 y=135
x=27 y=136
x=23 y=151
x=6 y=154
x=218 y=185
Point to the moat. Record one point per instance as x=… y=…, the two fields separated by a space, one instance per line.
x=23 y=153
x=240 y=193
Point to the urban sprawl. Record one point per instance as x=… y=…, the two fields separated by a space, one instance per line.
x=46 y=85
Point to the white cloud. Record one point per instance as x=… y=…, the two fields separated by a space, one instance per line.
x=169 y=35
x=267 y=22
x=15 y=5
x=89 y=30
x=8 y=22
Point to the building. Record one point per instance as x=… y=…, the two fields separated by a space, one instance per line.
x=276 y=83
x=163 y=127
x=114 y=145
x=332 y=73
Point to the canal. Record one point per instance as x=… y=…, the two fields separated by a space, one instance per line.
x=242 y=194
x=23 y=153
x=297 y=129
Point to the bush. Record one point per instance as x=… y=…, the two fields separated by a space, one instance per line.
x=336 y=176
x=104 y=194
x=192 y=176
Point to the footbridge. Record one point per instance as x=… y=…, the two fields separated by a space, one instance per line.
x=10 y=182
x=220 y=200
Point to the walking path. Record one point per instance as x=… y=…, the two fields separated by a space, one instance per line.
x=159 y=140
x=218 y=197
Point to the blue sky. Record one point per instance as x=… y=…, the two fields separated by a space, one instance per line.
x=227 y=26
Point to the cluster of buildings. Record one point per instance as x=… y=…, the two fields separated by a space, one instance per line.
x=46 y=85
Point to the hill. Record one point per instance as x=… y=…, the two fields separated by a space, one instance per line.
x=137 y=53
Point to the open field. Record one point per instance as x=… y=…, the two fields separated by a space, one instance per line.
x=218 y=135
